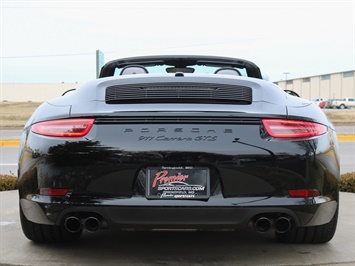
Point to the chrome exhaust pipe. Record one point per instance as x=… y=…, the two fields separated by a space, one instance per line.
x=72 y=224
x=263 y=224
x=91 y=224
x=282 y=224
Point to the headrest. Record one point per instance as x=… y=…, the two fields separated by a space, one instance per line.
x=133 y=69
x=228 y=71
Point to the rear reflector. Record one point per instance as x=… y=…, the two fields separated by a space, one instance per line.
x=60 y=192
x=303 y=193
x=293 y=129
x=77 y=127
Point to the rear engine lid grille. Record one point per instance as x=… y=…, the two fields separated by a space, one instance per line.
x=177 y=93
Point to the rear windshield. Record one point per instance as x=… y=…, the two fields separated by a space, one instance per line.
x=163 y=69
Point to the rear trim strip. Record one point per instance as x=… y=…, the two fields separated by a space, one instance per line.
x=176 y=120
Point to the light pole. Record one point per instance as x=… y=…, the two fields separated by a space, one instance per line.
x=286 y=73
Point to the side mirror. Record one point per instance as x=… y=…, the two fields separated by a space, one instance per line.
x=291 y=93
x=68 y=91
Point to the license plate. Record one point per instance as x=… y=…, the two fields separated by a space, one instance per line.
x=178 y=182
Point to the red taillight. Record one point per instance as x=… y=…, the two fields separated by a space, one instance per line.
x=77 y=127
x=59 y=192
x=303 y=193
x=293 y=129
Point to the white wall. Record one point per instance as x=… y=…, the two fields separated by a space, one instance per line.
x=35 y=92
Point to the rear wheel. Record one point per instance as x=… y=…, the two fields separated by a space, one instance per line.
x=46 y=233
x=311 y=234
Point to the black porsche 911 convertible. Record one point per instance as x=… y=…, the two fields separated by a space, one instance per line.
x=179 y=142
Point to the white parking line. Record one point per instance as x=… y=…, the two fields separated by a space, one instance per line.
x=6 y=223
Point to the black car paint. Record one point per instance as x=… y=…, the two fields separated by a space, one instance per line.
x=250 y=172
x=243 y=166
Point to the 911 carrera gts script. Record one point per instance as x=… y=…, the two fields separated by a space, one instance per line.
x=177 y=139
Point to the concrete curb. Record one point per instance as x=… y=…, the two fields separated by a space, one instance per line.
x=16 y=142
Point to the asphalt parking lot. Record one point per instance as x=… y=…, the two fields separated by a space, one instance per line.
x=174 y=247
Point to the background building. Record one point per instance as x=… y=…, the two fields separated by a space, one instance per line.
x=329 y=86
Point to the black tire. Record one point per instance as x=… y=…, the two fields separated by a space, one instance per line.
x=311 y=234
x=46 y=233
x=342 y=106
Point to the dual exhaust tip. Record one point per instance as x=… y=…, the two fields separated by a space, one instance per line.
x=281 y=225
x=74 y=224
x=263 y=224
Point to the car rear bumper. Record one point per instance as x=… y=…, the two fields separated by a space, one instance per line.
x=216 y=213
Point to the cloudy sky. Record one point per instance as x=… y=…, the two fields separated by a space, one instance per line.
x=55 y=41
